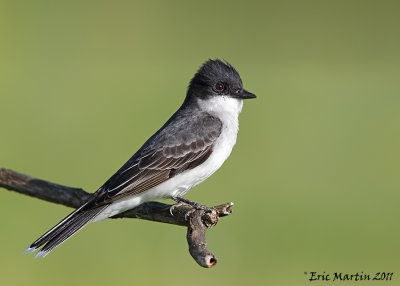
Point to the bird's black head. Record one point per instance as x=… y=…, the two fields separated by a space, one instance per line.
x=217 y=78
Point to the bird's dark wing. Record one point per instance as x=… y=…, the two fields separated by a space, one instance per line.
x=183 y=143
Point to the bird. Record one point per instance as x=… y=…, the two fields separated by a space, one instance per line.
x=192 y=144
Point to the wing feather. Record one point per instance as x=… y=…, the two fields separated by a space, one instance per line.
x=169 y=152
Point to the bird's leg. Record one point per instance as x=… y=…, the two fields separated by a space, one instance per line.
x=195 y=205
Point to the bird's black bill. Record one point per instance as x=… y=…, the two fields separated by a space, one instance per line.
x=247 y=95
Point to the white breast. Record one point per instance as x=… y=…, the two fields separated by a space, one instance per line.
x=227 y=110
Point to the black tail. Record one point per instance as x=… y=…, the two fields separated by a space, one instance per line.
x=64 y=230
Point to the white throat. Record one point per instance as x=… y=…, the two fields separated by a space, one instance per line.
x=227 y=110
x=223 y=107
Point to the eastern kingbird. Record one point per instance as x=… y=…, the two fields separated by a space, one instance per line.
x=186 y=150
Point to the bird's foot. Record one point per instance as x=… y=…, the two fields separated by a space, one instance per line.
x=195 y=205
x=187 y=214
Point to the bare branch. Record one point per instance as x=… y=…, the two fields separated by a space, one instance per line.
x=197 y=221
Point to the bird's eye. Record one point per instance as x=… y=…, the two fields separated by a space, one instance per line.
x=219 y=87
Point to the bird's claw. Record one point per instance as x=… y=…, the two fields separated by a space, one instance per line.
x=189 y=213
x=171 y=209
x=195 y=205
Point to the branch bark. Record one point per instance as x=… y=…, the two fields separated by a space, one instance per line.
x=197 y=221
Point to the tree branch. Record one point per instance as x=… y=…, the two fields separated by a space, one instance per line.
x=197 y=221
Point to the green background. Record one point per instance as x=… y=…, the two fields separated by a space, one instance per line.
x=315 y=172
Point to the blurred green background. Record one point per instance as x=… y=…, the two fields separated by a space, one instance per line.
x=315 y=172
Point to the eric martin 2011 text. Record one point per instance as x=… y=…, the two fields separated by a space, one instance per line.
x=340 y=276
